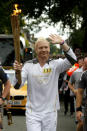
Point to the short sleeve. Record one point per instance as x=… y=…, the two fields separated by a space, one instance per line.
x=83 y=81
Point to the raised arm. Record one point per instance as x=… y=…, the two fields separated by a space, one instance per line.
x=56 y=39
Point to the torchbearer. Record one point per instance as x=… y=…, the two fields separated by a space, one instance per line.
x=42 y=76
x=16 y=35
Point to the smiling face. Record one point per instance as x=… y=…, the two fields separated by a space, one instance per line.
x=42 y=49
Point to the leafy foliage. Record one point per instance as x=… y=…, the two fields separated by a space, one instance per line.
x=76 y=39
x=57 y=10
x=69 y=12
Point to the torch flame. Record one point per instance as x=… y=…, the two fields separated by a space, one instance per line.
x=16 y=11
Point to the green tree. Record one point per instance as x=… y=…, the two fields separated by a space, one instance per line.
x=76 y=39
x=53 y=50
x=69 y=12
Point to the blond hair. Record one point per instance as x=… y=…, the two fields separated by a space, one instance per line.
x=39 y=40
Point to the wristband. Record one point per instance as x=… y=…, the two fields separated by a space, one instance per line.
x=62 y=42
x=79 y=108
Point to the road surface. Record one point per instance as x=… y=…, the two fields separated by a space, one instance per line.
x=65 y=123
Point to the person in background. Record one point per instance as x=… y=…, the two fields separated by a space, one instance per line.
x=42 y=81
x=78 y=52
x=3 y=94
x=81 y=111
x=75 y=77
x=74 y=83
x=66 y=92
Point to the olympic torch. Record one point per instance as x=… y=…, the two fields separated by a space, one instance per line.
x=16 y=36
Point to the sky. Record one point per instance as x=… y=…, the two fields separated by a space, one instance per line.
x=45 y=32
x=46 y=29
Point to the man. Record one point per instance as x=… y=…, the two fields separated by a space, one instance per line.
x=74 y=81
x=66 y=93
x=80 y=111
x=42 y=80
x=75 y=77
x=3 y=80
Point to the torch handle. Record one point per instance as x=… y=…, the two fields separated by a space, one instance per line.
x=16 y=36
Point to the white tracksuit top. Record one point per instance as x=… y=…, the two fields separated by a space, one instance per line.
x=42 y=83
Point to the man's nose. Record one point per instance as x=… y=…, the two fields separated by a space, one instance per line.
x=43 y=49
